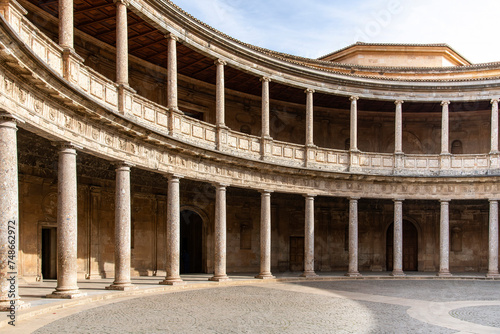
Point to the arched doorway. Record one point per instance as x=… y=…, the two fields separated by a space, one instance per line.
x=191 y=242
x=410 y=247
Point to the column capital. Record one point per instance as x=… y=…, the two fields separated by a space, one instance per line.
x=398 y=199
x=445 y=103
x=265 y=79
x=354 y=98
x=494 y=100
x=309 y=91
x=399 y=102
x=220 y=62
x=172 y=176
x=354 y=198
x=5 y=116
x=445 y=200
x=493 y=199
x=309 y=195
x=123 y=165
x=171 y=36
x=123 y=2
x=66 y=146
x=220 y=185
x=266 y=192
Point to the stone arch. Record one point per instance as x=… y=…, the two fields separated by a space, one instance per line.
x=411 y=143
x=193 y=239
x=418 y=240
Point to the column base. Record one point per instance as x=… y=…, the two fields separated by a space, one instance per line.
x=265 y=276
x=222 y=278
x=122 y=287
x=353 y=274
x=308 y=274
x=493 y=274
x=173 y=281
x=444 y=274
x=70 y=294
x=398 y=273
x=6 y=306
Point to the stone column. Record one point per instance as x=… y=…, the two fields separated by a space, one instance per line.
x=398 y=132
x=353 y=238
x=265 y=236
x=309 y=117
x=354 y=123
x=122 y=230
x=172 y=102
x=66 y=24
x=173 y=232
x=220 y=104
x=220 y=234
x=444 y=239
x=67 y=223
x=9 y=214
x=494 y=126
x=121 y=43
x=309 y=238
x=493 y=241
x=265 y=107
x=445 y=128
x=397 y=269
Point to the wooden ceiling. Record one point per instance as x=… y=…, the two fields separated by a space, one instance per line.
x=97 y=18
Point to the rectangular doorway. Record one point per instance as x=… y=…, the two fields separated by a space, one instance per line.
x=49 y=253
x=296 y=253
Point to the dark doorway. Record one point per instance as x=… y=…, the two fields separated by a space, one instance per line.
x=191 y=242
x=410 y=247
x=296 y=253
x=49 y=253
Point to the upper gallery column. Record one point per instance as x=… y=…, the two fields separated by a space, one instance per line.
x=353 y=237
x=265 y=236
x=309 y=117
x=67 y=223
x=398 y=131
x=354 y=123
x=309 y=238
x=121 y=43
x=494 y=126
x=9 y=214
x=220 y=234
x=122 y=229
x=220 y=101
x=444 y=239
x=66 y=24
x=397 y=269
x=445 y=134
x=493 y=241
x=265 y=107
x=173 y=232
x=172 y=102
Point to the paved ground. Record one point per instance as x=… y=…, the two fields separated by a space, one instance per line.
x=330 y=305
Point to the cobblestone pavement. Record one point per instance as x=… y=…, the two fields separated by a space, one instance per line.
x=359 y=306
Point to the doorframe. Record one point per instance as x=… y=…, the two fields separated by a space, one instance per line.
x=41 y=225
x=204 y=233
x=419 y=240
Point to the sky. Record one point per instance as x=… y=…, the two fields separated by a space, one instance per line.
x=314 y=28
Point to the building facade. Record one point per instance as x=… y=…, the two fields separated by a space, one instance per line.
x=136 y=140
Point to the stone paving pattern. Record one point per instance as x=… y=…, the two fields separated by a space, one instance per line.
x=305 y=307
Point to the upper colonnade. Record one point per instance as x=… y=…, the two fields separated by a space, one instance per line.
x=167 y=141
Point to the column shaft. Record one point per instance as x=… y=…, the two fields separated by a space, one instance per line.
x=172 y=102
x=122 y=230
x=493 y=241
x=67 y=223
x=9 y=214
x=220 y=104
x=309 y=117
x=353 y=238
x=121 y=43
x=309 y=238
x=265 y=107
x=398 y=131
x=354 y=123
x=397 y=269
x=173 y=232
x=444 y=239
x=445 y=127
x=220 y=234
x=66 y=24
x=494 y=126
x=265 y=236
